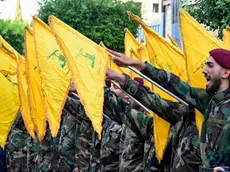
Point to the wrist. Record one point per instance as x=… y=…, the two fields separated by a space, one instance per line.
x=139 y=65
x=121 y=80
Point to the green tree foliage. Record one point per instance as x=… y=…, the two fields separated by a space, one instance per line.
x=99 y=20
x=213 y=13
x=13 y=33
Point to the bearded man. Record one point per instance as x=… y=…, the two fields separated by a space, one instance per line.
x=213 y=102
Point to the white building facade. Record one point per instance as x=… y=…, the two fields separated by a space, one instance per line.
x=162 y=16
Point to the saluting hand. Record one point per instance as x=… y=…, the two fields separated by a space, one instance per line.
x=113 y=75
x=124 y=61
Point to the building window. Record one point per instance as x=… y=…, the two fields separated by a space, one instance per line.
x=155 y=8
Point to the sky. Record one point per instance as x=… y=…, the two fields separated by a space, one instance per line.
x=8 y=9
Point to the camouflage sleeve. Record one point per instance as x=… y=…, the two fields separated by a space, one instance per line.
x=120 y=112
x=168 y=110
x=195 y=96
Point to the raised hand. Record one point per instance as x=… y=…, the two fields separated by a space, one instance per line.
x=124 y=61
x=113 y=75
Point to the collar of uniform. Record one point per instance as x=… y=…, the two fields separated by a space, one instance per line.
x=222 y=96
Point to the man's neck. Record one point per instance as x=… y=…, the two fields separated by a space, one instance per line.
x=224 y=86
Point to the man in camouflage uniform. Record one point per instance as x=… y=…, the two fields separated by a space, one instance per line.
x=93 y=154
x=131 y=146
x=67 y=140
x=17 y=149
x=76 y=136
x=70 y=150
x=121 y=112
x=110 y=146
x=213 y=102
x=184 y=141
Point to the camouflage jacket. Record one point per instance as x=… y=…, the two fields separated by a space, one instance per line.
x=132 y=151
x=185 y=155
x=140 y=124
x=67 y=140
x=95 y=161
x=48 y=155
x=91 y=154
x=215 y=134
x=82 y=131
x=18 y=156
x=110 y=146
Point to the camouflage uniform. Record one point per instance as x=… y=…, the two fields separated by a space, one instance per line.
x=184 y=134
x=33 y=148
x=66 y=146
x=132 y=148
x=18 y=156
x=184 y=148
x=93 y=154
x=110 y=146
x=140 y=124
x=48 y=156
x=215 y=134
x=95 y=161
x=82 y=131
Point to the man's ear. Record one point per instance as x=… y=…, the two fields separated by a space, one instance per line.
x=226 y=73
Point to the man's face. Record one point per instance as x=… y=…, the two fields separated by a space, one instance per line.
x=212 y=72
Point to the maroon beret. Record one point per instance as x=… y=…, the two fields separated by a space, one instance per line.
x=221 y=56
x=139 y=80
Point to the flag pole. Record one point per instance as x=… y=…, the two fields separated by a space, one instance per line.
x=157 y=85
x=135 y=100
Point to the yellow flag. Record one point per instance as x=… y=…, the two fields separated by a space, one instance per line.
x=226 y=36
x=160 y=126
x=9 y=106
x=8 y=64
x=162 y=53
x=166 y=56
x=112 y=64
x=196 y=48
x=88 y=63
x=23 y=96
x=54 y=72
x=35 y=94
x=131 y=46
x=173 y=41
x=144 y=55
x=8 y=47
